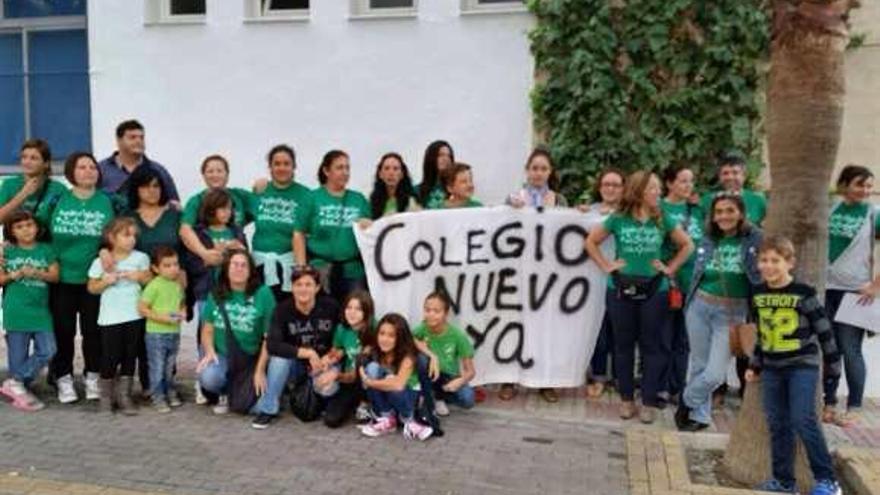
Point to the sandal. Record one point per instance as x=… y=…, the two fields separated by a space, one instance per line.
x=549 y=394
x=595 y=390
x=829 y=415
x=508 y=391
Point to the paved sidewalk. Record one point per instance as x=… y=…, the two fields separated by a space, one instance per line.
x=522 y=446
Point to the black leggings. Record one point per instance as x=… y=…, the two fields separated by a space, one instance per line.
x=121 y=344
x=67 y=302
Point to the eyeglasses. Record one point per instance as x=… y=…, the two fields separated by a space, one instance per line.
x=611 y=184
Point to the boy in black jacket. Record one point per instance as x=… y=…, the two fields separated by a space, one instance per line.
x=792 y=326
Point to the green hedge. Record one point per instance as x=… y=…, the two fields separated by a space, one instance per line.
x=642 y=84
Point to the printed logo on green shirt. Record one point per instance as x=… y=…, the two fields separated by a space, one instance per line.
x=18 y=262
x=726 y=259
x=337 y=215
x=276 y=210
x=241 y=316
x=80 y=223
x=843 y=225
x=638 y=240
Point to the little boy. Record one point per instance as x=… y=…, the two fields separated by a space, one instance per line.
x=792 y=325
x=163 y=305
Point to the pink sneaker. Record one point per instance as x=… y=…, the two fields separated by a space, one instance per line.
x=19 y=395
x=413 y=430
x=382 y=426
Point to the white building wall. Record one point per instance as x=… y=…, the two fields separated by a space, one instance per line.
x=365 y=86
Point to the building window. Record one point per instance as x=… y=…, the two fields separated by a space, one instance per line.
x=174 y=11
x=44 y=80
x=186 y=7
x=489 y=6
x=44 y=77
x=258 y=10
x=384 y=8
x=17 y=9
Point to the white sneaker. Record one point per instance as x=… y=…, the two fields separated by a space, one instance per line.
x=222 y=406
x=413 y=430
x=382 y=426
x=364 y=414
x=93 y=392
x=201 y=400
x=66 y=392
x=441 y=408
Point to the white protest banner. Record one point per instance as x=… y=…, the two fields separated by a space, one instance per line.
x=521 y=284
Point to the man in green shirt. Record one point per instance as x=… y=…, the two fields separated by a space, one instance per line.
x=732 y=178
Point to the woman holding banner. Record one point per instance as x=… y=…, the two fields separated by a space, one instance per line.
x=637 y=287
x=853 y=227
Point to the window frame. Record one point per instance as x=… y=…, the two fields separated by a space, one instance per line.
x=254 y=11
x=158 y=12
x=360 y=9
x=472 y=7
x=23 y=26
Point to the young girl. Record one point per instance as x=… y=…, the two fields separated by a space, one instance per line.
x=391 y=380
x=119 y=322
x=29 y=267
x=459 y=184
x=542 y=184
x=792 y=326
x=439 y=156
x=349 y=339
x=450 y=352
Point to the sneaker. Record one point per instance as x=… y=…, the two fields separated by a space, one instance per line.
x=262 y=421
x=21 y=398
x=776 y=486
x=441 y=408
x=161 y=407
x=92 y=390
x=364 y=414
x=849 y=418
x=682 y=415
x=648 y=414
x=826 y=487
x=201 y=400
x=693 y=426
x=222 y=406
x=174 y=399
x=382 y=426
x=627 y=409
x=66 y=392
x=413 y=430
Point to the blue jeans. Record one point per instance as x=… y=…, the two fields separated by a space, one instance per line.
x=849 y=341
x=599 y=369
x=708 y=328
x=161 y=356
x=385 y=403
x=24 y=365
x=463 y=397
x=789 y=397
x=279 y=371
x=213 y=378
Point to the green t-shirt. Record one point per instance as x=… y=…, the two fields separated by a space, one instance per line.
x=250 y=318
x=436 y=198
x=638 y=243
x=241 y=214
x=164 y=297
x=679 y=213
x=11 y=185
x=756 y=205
x=276 y=213
x=844 y=224
x=470 y=203
x=76 y=226
x=346 y=339
x=450 y=346
x=165 y=232
x=328 y=225
x=223 y=234
x=725 y=275
x=26 y=300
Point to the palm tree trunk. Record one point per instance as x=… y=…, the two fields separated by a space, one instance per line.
x=805 y=99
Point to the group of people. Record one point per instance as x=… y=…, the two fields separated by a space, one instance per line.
x=119 y=256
